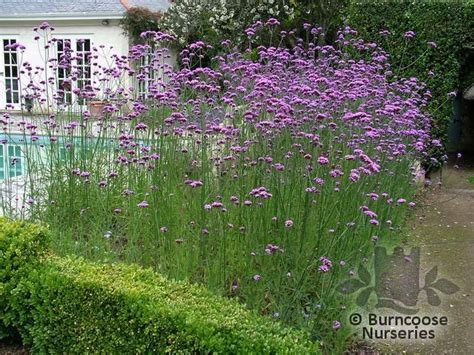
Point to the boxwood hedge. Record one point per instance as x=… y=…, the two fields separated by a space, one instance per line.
x=69 y=304
x=21 y=245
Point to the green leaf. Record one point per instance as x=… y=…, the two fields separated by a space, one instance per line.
x=431 y=276
x=445 y=286
x=364 y=296
x=350 y=286
x=433 y=298
x=364 y=275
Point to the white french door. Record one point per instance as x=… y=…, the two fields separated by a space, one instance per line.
x=73 y=55
x=10 y=97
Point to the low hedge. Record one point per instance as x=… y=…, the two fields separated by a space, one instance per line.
x=72 y=305
x=21 y=245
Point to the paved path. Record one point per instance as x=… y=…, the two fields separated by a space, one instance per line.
x=444 y=229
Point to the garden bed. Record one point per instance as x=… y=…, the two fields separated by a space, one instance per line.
x=267 y=180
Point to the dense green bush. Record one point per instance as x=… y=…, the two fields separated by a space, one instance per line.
x=214 y=21
x=21 y=245
x=69 y=303
x=449 y=24
x=138 y=20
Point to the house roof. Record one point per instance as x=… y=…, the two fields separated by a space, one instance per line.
x=47 y=9
x=153 y=5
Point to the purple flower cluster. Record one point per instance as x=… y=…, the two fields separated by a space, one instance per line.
x=326 y=264
x=261 y=192
x=271 y=249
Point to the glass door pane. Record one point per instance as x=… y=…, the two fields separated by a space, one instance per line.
x=83 y=62
x=15 y=163
x=2 y=162
x=64 y=82
x=12 y=90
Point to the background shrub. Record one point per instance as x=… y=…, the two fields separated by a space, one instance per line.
x=214 y=21
x=449 y=24
x=138 y=20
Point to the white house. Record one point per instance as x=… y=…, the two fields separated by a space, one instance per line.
x=83 y=23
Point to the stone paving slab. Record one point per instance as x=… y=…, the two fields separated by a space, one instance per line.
x=443 y=228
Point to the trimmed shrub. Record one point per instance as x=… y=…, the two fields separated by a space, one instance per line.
x=69 y=303
x=21 y=245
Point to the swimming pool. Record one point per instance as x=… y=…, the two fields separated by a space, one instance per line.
x=13 y=148
x=13 y=152
x=11 y=158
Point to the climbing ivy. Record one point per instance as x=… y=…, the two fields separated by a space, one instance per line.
x=448 y=24
x=138 y=20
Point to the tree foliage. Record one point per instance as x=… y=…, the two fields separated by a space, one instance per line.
x=138 y=20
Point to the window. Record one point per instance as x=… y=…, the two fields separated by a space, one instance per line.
x=83 y=54
x=74 y=68
x=64 y=82
x=15 y=160
x=12 y=89
x=11 y=161
x=146 y=76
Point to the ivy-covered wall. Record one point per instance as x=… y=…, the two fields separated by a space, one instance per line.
x=449 y=25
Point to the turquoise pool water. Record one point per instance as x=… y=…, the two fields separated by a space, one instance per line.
x=12 y=153
x=11 y=156
x=13 y=146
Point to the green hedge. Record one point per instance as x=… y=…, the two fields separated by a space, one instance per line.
x=84 y=307
x=21 y=245
x=450 y=24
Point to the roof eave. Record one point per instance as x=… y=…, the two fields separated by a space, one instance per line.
x=74 y=17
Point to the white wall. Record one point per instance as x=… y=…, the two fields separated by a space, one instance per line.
x=22 y=31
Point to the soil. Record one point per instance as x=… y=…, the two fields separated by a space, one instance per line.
x=9 y=349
